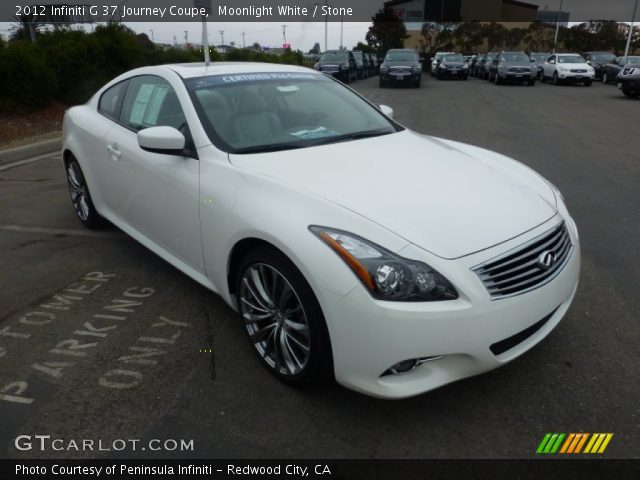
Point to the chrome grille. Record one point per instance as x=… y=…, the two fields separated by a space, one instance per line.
x=400 y=69
x=524 y=269
x=519 y=70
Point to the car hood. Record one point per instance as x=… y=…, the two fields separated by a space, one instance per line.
x=518 y=64
x=448 y=198
x=400 y=63
x=453 y=64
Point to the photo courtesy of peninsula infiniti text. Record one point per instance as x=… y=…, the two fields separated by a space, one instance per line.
x=351 y=247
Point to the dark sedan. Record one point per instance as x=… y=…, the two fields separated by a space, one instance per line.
x=484 y=64
x=612 y=69
x=452 y=65
x=598 y=60
x=401 y=66
x=339 y=64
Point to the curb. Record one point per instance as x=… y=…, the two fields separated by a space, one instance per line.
x=27 y=151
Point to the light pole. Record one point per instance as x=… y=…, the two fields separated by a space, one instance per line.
x=633 y=19
x=284 y=35
x=186 y=37
x=555 y=40
x=222 y=37
x=153 y=39
x=243 y=44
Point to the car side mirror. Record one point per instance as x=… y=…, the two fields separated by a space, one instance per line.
x=388 y=111
x=166 y=140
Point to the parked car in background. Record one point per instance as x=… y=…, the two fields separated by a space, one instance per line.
x=538 y=59
x=434 y=61
x=568 y=67
x=464 y=262
x=371 y=59
x=598 y=60
x=629 y=81
x=475 y=63
x=362 y=68
x=339 y=64
x=485 y=63
x=452 y=65
x=401 y=66
x=612 y=69
x=514 y=67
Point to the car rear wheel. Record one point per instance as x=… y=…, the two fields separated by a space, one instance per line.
x=283 y=318
x=80 y=196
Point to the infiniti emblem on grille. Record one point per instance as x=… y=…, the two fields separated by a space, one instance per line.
x=547 y=259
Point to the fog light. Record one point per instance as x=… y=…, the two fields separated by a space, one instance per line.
x=404 y=367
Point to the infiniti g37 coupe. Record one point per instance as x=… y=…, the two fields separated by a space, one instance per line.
x=351 y=247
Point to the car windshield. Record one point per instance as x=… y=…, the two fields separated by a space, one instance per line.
x=453 y=58
x=539 y=57
x=602 y=57
x=265 y=112
x=400 y=56
x=631 y=61
x=334 y=56
x=514 y=57
x=570 y=59
x=357 y=55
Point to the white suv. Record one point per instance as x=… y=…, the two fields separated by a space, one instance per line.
x=568 y=67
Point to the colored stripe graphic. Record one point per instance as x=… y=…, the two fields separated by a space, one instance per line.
x=550 y=443
x=574 y=443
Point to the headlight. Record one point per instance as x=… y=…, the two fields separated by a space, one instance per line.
x=415 y=69
x=465 y=66
x=383 y=68
x=386 y=275
x=556 y=191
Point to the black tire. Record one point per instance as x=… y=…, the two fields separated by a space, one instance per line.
x=497 y=80
x=587 y=83
x=543 y=79
x=532 y=82
x=80 y=195
x=318 y=365
x=556 y=80
x=630 y=94
x=605 y=78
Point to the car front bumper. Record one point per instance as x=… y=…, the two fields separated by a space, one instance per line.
x=516 y=77
x=370 y=336
x=460 y=73
x=631 y=84
x=579 y=77
x=400 y=78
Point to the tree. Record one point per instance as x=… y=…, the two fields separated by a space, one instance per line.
x=386 y=31
x=363 y=47
x=514 y=37
x=27 y=27
x=316 y=49
x=256 y=46
x=539 y=37
x=445 y=38
x=495 y=34
x=469 y=36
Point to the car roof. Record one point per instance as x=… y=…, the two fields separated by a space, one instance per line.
x=199 y=69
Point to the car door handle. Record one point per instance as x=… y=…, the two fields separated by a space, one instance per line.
x=113 y=150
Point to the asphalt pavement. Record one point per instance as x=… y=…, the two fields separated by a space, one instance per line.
x=101 y=339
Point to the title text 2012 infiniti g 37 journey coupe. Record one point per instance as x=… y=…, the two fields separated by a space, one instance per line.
x=349 y=245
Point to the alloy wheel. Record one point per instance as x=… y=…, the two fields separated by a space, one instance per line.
x=275 y=319
x=78 y=191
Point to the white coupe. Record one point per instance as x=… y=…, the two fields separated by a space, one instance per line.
x=350 y=246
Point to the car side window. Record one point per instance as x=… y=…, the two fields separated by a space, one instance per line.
x=151 y=102
x=552 y=59
x=109 y=103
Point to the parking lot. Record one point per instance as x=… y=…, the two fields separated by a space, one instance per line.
x=101 y=339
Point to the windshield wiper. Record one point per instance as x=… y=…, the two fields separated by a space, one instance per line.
x=275 y=147
x=351 y=136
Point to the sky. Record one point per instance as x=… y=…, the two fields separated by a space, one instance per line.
x=301 y=35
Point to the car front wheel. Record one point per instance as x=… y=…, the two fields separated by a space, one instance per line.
x=283 y=318
x=605 y=78
x=556 y=80
x=80 y=196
